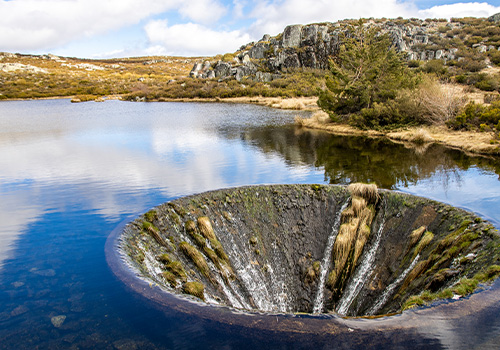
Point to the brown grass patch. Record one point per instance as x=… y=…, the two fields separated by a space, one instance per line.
x=205 y=228
x=367 y=191
x=196 y=257
x=416 y=235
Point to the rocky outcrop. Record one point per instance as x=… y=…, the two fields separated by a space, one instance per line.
x=311 y=46
x=495 y=18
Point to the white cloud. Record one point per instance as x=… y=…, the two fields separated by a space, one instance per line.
x=27 y=25
x=470 y=9
x=192 y=39
x=272 y=17
x=203 y=11
x=40 y=24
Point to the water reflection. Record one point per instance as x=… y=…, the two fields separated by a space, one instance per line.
x=69 y=173
x=433 y=171
x=364 y=159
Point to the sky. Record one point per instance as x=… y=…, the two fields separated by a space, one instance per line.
x=130 y=28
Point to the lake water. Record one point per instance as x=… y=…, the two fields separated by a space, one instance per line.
x=71 y=173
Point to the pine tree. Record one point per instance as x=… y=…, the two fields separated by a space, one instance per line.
x=366 y=73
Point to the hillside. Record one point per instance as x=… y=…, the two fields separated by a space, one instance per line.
x=44 y=76
x=290 y=64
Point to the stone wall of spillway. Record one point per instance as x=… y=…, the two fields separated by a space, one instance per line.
x=312 y=248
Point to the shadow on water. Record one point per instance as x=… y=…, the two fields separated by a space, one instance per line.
x=364 y=159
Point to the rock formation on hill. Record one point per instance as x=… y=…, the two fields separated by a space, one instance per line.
x=310 y=46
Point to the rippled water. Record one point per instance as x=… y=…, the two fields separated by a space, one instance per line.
x=71 y=173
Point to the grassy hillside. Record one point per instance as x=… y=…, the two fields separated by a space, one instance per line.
x=29 y=76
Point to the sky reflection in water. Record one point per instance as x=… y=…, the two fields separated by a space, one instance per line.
x=69 y=173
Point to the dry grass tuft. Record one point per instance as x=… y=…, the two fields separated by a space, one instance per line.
x=153 y=231
x=320 y=117
x=440 y=102
x=289 y=103
x=195 y=288
x=363 y=234
x=206 y=228
x=357 y=205
x=299 y=121
x=190 y=226
x=424 y=242
x=347 y=215
x=416 y=235
x=421 y=136
x=366 y=191
x=196 y=257
x=417 y=271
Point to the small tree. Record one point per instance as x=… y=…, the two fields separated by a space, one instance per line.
x=366 y=73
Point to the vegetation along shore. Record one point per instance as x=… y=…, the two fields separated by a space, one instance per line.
x=411 y=80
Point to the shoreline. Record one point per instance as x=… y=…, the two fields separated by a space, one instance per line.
x=472 y=142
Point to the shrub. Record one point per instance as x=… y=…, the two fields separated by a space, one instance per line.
x=435 y=66
x=365 y=79
x=474 y=115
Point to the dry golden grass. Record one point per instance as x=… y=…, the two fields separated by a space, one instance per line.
x=205 y=228
x=416 y=235
x=417 y=271
x=421 y=136
x=363 y=234
x=424 y=242
x=357 y=205
x=196 y=257
x=367 y=191
x=341 y=249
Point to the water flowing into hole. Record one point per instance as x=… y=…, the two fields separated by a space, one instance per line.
x=362 y=272
x=318 y=303
x=281 y=249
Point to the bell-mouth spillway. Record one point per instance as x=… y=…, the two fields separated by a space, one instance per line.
x=314 y=251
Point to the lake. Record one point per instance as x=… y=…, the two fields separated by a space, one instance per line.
x=71 y=173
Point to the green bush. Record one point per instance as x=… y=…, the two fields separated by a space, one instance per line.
x=365 y=79
x=477 y=117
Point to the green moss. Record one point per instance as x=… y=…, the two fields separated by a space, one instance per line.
x=445 y=294
x=316 y=188
x=491 y=273
x=195 y=288
x=196 y=257
x=178 y=209
x=316 y=266
x=424 y=242
x=413 y=301
x=151 y=215
x=170 y=278
x=217 y=247
x=176 y=268
x=147 y=226
x=212 y=256
x=165 y=258
x=465 y=286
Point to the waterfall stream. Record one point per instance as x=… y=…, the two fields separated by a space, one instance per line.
x=362 y=272
x=325 y=263
x=388 y=291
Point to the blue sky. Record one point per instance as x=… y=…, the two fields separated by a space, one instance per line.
x=124 y=28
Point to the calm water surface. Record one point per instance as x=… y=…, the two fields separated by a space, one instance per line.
x=71 y=173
